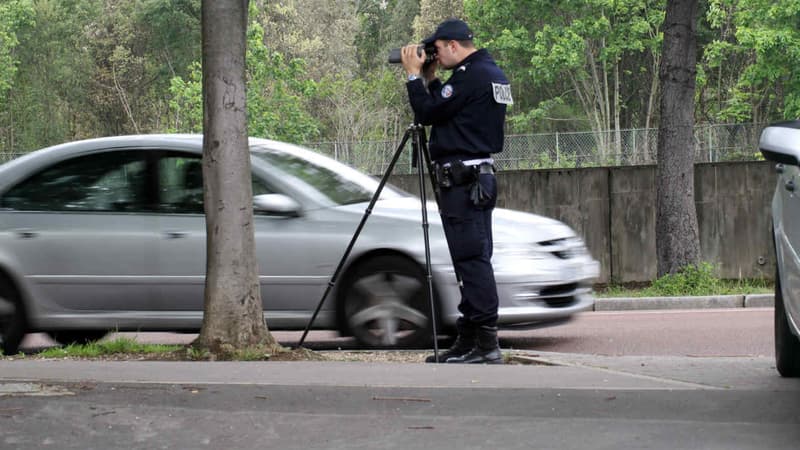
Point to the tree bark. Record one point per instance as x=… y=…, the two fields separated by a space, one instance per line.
x=233 y=317
x=677 y=236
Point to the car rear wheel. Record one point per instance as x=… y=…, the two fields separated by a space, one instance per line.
x=386 y=304
x=12 y=318
x=69 y=337
x=787 y=345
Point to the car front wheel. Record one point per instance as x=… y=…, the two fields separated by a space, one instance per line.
x=787 y=345
x=12 y=318
x=385 y=304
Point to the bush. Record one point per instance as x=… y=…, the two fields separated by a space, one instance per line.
x=691 y=280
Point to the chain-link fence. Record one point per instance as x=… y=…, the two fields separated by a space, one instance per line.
x=713 y=143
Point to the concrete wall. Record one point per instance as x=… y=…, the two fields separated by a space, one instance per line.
x=613 y=208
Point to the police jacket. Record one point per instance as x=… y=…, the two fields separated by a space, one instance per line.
x=467 y=112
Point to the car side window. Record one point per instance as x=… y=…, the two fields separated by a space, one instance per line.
x=180 y=181
x=180 y=184
x=105 y=182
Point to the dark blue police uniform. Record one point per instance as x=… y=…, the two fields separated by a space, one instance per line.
x=467 y=114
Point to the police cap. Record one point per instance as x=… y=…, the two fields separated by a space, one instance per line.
x=450 y=29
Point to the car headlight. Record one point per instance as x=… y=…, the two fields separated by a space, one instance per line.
x=565 y=248
x=519 y=258
x=557 y=255
x=517 y=252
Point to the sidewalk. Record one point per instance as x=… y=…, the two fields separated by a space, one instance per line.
x=537 y=369
x=579 y=402
x=700 y=302
x=534 y=370
x=547 y=400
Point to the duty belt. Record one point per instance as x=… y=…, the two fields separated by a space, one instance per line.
x=459 y=173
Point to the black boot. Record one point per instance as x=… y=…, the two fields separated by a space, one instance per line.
x=465 y=341
x=487 y=351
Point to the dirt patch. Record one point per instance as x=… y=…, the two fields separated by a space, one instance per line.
x=186 y=353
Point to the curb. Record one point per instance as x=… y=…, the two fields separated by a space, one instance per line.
x=700 y=302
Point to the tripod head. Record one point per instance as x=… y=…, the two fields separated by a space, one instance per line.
x=418 y=139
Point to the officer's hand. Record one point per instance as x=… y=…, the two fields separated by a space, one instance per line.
x=412 y=62
x=429 y=70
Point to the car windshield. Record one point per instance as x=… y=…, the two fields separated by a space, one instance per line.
x=340 y=183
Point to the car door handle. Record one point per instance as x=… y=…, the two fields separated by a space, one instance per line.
x=790 y=185
x=26 y=234
x=175 y=234
x=779 y=168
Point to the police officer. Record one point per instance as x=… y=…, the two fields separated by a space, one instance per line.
x=467 y=114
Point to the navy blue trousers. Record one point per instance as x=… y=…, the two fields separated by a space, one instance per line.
x=468 y=229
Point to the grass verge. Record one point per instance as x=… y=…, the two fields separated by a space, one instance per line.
x=691 y=281
x=124 y=348
x=118 y=346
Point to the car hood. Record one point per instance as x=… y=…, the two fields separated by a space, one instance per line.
x=507 y=225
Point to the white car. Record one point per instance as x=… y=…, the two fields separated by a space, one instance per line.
x=781 y=143
x=109 y=234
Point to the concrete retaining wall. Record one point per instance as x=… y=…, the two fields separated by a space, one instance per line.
x=613 y=208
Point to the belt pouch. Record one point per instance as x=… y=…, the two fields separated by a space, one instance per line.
x=461 y=174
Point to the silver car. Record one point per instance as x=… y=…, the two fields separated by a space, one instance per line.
x=781 y=143
x=109 y=234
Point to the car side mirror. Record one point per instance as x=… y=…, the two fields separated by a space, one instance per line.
x=780 y=143
x=276 y=205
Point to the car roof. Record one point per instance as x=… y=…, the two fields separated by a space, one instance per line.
x=166 y=141
x=17 y=169
x=189 y=142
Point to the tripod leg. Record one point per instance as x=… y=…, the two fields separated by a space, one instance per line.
x=364 y=218
x=417 y=145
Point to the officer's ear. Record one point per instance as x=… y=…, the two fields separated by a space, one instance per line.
x=453 y=46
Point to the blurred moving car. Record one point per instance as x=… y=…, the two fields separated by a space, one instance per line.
x=109 y=234
x=781 y=143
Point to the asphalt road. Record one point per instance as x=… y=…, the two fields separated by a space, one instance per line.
x=721 y=332
x=251 y=416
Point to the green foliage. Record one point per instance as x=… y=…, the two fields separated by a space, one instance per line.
x=384 y=24
x=97 y=67
x=198 y=354
x=751 y=65
x=317 y=70
x=186 y=102
x=277 y=94
x=119 y=346
x=579 y=52
x=691 y=281
x=554 y=114
x=14 y=14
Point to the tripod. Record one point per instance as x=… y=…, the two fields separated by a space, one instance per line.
x=416 y=133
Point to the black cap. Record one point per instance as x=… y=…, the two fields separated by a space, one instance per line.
x=450 y=30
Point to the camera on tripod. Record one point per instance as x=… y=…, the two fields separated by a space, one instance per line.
x=429 y=49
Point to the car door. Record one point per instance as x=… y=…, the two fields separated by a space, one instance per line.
x=182 y=243
x=788 y=240
x=83 y=232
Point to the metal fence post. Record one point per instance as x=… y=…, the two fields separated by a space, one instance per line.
x=558 y=153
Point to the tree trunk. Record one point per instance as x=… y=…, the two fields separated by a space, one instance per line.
x=233 y=317
x=677 y=236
